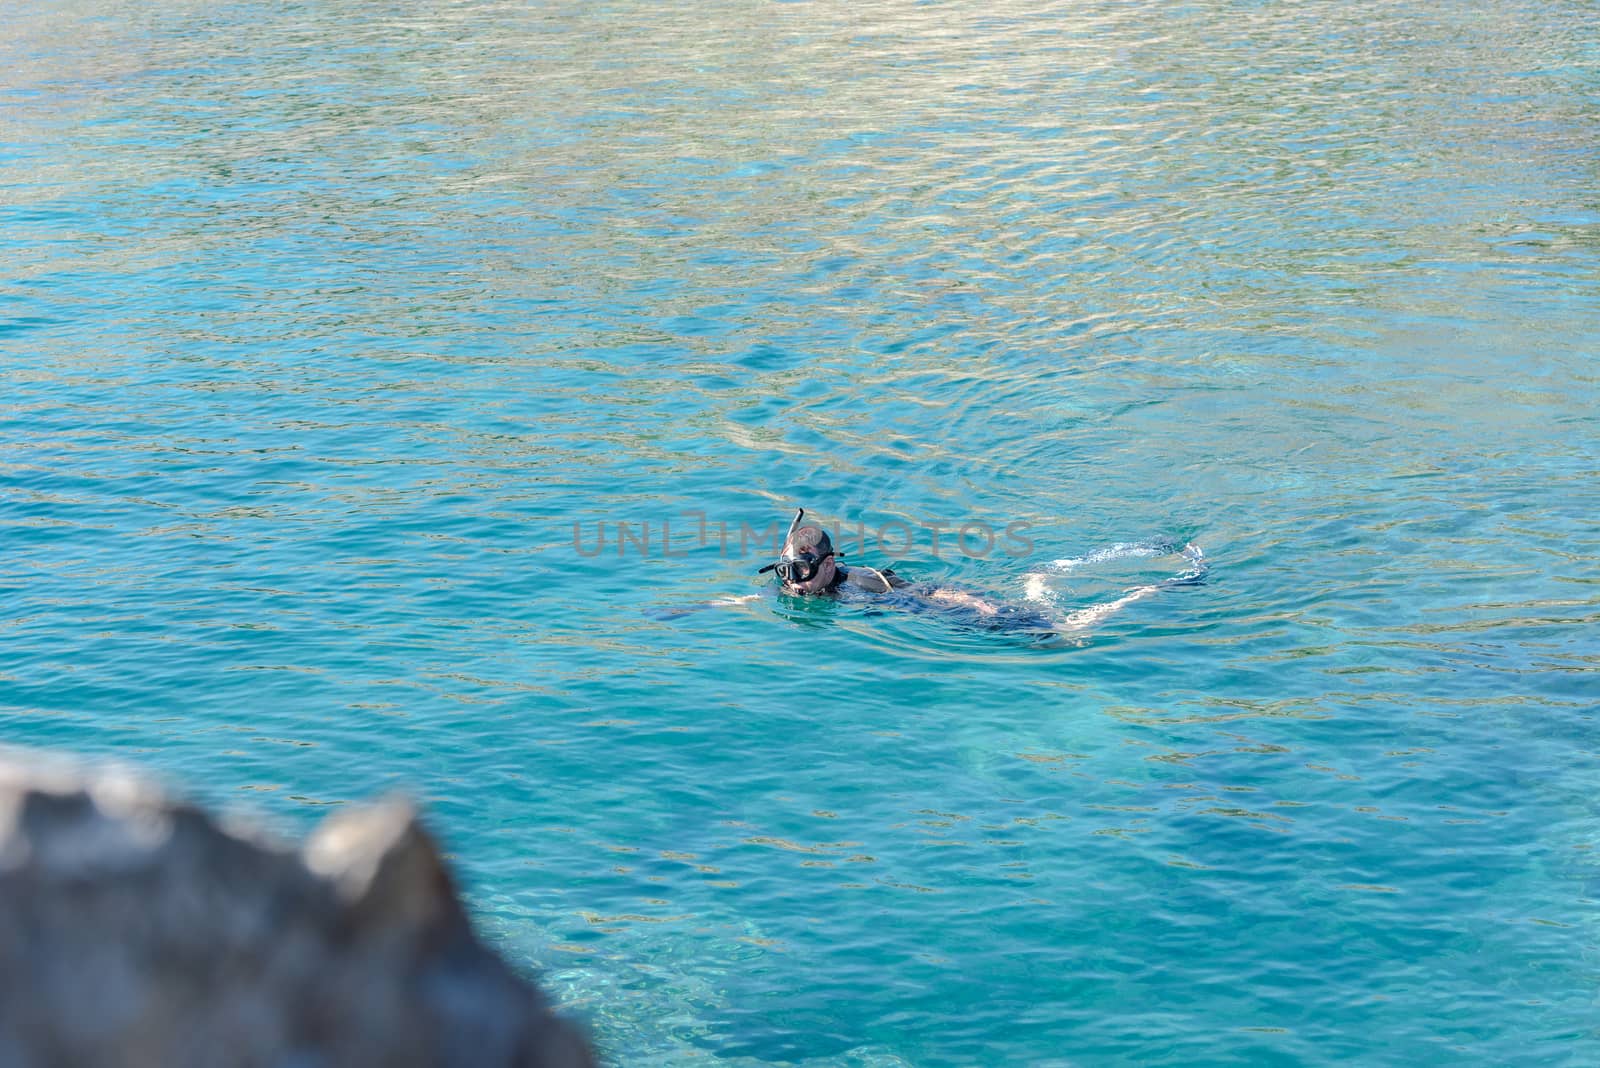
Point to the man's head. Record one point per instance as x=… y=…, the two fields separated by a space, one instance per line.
x=807 y=563
x=808 y=555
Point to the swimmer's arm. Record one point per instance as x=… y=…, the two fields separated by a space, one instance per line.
x=955 y=598
x=721 y=602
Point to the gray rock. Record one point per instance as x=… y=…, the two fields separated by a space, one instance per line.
x=138 y=931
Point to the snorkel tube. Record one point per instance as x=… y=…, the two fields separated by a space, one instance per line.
x=794 y=525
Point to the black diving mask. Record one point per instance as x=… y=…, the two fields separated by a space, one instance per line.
x=802 y=567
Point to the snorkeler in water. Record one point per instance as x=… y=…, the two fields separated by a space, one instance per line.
x=809 y=566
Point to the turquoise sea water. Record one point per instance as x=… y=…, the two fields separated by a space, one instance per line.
x=332 y=332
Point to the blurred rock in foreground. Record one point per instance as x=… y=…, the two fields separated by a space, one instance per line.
x=137 y=931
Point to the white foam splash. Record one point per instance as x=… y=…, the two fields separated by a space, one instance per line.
x=1038 y=589
x=1122 y=550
